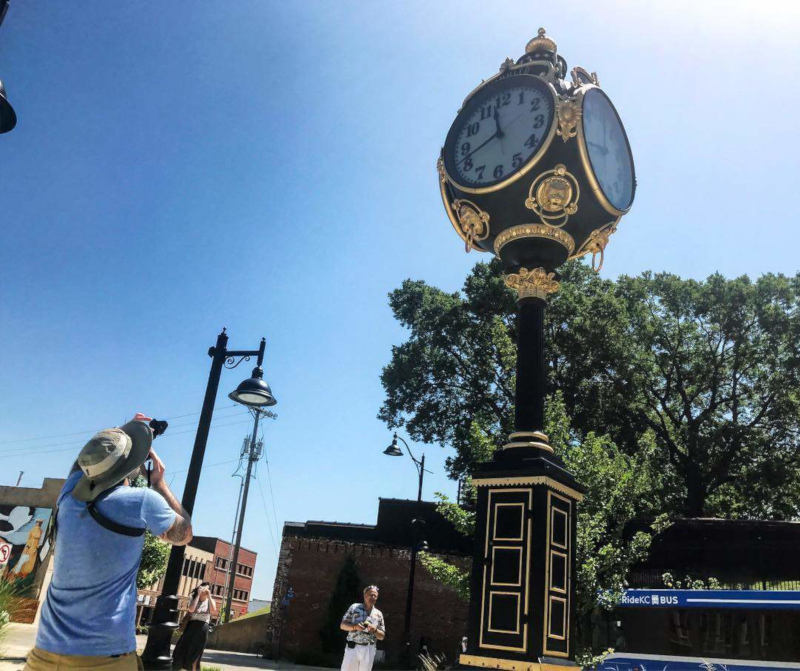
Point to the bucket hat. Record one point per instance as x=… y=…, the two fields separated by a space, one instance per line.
x=110 y=456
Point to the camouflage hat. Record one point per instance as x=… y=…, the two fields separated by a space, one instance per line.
x=110 y=456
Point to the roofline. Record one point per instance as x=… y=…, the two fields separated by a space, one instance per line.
x=217 y=538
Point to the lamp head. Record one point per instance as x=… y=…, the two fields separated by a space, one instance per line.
x=254 y=392
x=8 y=118
x=393 y=450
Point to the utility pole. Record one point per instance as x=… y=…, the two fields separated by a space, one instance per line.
x=19 y=479
x=253 y=455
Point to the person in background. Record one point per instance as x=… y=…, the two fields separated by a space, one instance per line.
x=88 y=617
x=189 y=649
x=364 y=624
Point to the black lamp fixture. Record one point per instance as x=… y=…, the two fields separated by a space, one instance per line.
x=393 y=450
x=8 y=118
x=254 y=392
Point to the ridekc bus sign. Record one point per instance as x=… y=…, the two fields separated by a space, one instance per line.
x=690 y=598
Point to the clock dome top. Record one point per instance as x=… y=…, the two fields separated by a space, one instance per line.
x=541 y=43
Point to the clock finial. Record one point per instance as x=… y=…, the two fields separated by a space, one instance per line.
x=541 y=43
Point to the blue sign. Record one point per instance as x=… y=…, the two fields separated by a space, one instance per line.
x=630 y=662
x=717 y=598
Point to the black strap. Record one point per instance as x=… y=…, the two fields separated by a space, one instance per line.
x=111 y=525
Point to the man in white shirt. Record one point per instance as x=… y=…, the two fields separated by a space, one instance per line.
x=364 y=624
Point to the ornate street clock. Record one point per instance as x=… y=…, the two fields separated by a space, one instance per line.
x=537 y=170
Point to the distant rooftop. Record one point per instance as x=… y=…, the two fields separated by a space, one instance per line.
x=393 y=528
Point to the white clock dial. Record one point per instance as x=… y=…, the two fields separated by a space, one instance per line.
x=608 y=149
x=498 y=134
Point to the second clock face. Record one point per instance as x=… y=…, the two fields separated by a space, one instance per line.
x=498 y=132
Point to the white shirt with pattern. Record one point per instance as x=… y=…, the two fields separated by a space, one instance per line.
x=357 y=614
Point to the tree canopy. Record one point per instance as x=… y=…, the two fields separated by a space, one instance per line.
x=704 y=371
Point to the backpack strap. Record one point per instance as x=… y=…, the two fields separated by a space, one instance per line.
x=111 y=525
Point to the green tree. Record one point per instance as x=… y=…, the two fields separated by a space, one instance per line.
x=155 y=554
x=347 y=590
x=704 y=372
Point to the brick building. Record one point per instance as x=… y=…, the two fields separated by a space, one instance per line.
x=218 y=571
x=206 y=559
x=311 y=558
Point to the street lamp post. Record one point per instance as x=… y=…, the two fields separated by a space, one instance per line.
x=418 y=544
x=254 y=392
x=8 y=118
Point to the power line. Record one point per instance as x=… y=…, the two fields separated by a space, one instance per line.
x=73 y=445
x=271 y=494
x=269 y=524
x=79 y=433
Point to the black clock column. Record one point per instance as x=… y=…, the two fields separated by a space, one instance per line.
x=521 y=607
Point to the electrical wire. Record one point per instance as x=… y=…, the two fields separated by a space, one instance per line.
x=269 y=525
x=73 y=445
x=79 y=433
x=271 y=494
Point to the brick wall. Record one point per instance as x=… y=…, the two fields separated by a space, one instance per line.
x=311 y=566
x=219 y=577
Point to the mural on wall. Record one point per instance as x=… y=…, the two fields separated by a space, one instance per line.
x=25 y=529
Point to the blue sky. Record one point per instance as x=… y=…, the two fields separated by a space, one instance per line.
x=270 y=167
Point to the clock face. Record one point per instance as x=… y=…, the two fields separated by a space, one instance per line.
x=498 y=132
x=608 y=149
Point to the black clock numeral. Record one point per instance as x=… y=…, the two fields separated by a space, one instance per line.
x=538 y=121
x=486 y=112
x=498 y=171
x=467 y=164
x=506 y=100
x=480 y=170
x=521 y=97
x=532 y=141
x=535 y=103
x=517 y=161
x=465 y=149
x=473 y=129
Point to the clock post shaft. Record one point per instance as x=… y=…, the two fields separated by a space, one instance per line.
x=531 y=368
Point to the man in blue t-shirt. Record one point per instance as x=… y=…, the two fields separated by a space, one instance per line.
x=88 y=617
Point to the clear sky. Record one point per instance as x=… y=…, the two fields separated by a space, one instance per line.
x=270 y=167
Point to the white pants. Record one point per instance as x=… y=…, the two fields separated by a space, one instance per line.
x=359 y=658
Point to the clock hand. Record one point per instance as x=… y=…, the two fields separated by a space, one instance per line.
x=498 y=132
x=480 y=146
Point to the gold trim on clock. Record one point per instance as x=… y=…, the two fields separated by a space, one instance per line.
x=528 y=504
x=492 y=582
x=547 y=595
x=587 y=164
x=521 y=536
x=531 y=480
x=448 y=208
x=514 y=632
x=531 y=162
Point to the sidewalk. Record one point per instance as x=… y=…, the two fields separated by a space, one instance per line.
x=20 y=638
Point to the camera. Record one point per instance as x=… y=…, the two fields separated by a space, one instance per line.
x=158 y=426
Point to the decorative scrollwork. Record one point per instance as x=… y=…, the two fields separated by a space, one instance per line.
x=440 y=170
x=229 y=362
x=536 y=283
x=554 y=196
x=581 y=76
x=534 y=231
x=569 y=115
x=596 y=244
x=473 y=220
